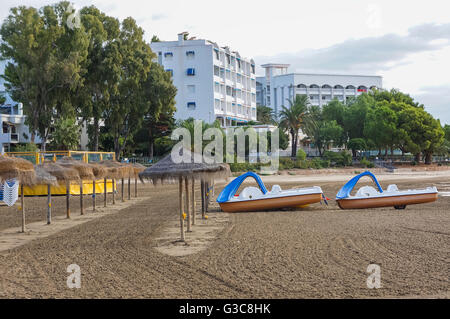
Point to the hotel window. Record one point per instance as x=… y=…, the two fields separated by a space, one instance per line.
x=217 y=87
x=168 y=55
x=190 y=54
x=160 y=57
x=253 y=69
x=190 y=72
x=216 y=54
x=216 y=71
x=191 y=105
x=170 y=71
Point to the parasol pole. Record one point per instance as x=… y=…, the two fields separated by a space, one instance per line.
x=105 y=184
x=49 y=204
x=129 y=186
x=180 y=203
x=68 y=199
x=93 y=195
x=123 y=182
x=186 y=190
x=22 y=207
x=202 y=192
x=135 y=187
x=193 y=200
x=81 y=198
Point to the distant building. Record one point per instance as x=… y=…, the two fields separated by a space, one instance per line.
x=278 y=86
x=213 y=82
x=13 y=130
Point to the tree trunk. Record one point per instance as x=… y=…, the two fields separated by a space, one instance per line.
x=417 y=159
x=150 y=144
x=428 y=158
x=294 y=144
x=96 y=134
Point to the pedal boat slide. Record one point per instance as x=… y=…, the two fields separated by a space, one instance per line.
x=259 y=199
x=369 y=197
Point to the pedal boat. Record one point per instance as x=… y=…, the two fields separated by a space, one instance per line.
x=369 y=197
x=259 y=199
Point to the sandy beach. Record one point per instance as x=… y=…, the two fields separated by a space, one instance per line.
x=316 y=252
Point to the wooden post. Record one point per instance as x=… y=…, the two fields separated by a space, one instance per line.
x=202 y=192
x=22 y=207
x=49 y=204
x=93 y=195
x=206 y=196
x=186 y=190
x=129 y=187
x=135 y=187
x=114 y=190
x=81 y=199
x=123 y=182
x=68 y=199
x=180 y=203
x=193 y=200
x=105 y=183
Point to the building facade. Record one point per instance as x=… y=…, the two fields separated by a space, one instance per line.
x=278 y=86
x=214 y=83
x=13 y=130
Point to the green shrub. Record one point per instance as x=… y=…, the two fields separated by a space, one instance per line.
x=286 y=163
x=318 y=163
x=302 y=164
x=339 y=159
x=301 y=155
x=366 y=163
x=245 y=167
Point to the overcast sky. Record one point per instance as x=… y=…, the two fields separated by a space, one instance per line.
x=407 y=42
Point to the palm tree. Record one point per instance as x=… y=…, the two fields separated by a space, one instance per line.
x=295 y=118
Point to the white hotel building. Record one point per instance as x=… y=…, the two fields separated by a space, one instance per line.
x=213 y=82
x=277 y=86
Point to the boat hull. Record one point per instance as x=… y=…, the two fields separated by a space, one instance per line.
x=270 y=203
x=390 y=201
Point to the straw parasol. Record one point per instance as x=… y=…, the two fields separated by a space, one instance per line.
x=64 y=175
x=193 y=167
x=21 y=170
x=117 y=171
x=167 y=170
x=43 y=177
x=17 y=168
x=85 y=171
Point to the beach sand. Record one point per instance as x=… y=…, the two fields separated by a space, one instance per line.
x=316 y=252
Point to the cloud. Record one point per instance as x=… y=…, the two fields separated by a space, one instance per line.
x=436 y=100
x=370 y=54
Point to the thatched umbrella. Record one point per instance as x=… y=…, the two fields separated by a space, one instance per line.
x=21 y=170
x=84 y=170
x=137 y=168
x=63 y=175
x=167 y=170
x=43 y=177
x=100 y=172
x=113 y=172
x=118 y=171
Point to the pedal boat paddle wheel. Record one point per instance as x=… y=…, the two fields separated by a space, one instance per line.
x=369 y=197
x=260 y=199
